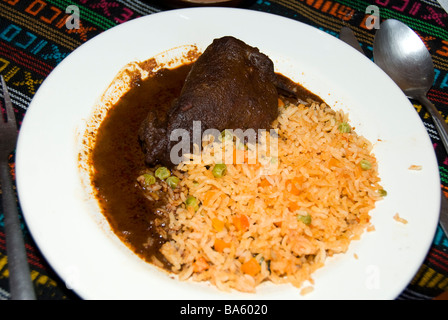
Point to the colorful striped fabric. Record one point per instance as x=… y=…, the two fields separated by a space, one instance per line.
x=34 y=39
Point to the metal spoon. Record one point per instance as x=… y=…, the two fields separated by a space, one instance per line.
x=400 y=52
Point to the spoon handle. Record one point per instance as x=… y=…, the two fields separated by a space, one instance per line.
x=439 y=122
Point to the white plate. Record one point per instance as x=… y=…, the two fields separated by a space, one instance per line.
x=98 y=266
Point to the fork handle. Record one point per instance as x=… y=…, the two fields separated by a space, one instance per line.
x=21 y=286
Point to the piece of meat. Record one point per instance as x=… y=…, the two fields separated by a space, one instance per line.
x=231 y=86
x=153 y=137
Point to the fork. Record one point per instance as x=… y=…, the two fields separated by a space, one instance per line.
x=21 y=286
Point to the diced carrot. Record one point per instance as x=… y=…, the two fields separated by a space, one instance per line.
x=200 y=265
x=293 y=185
x=208 y=197
x=293 y=206
x=251 y=267
x=241 y=222
x=280 y=103
x=333 y=162
x=220 y=245
x=211 y=196
x=217 y=224
x=264 y=183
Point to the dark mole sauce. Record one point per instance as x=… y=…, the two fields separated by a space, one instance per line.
x=118 y=160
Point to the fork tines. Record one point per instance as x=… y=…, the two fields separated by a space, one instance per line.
x=9 y=111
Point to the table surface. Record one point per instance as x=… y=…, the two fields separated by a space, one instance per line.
x=34 y=39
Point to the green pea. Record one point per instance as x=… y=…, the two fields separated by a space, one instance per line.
x=192 y=202
x=382 y=192
x=219 y=170
x=226 y=135
x=365 y=164
x=344 y=127
x=306 y=219
x=148 y=179
x=173 y=181
x=162 y=173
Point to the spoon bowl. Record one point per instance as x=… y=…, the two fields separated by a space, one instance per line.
x=400 y=52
